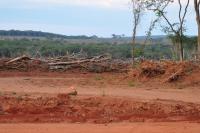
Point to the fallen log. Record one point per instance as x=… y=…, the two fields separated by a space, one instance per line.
x=18 y=59
x=68 y=63
x=79 y=61
x=174 y=76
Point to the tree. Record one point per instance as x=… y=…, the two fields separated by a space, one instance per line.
x=196 y=7
x=159 y=4
x=175 y=29
x=137 y=10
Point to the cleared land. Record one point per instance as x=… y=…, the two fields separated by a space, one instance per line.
x=137 y=101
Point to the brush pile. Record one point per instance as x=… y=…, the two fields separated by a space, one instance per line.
x=167 y=71
x=99 y=64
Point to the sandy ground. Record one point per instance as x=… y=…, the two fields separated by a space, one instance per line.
x=111 y=128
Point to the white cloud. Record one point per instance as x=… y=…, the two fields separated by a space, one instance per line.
x=110 y=4
x=114 y=4
x=99 y=3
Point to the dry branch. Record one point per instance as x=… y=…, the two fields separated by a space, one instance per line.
x=174 y=76
x=95 y=59
x=18 y=59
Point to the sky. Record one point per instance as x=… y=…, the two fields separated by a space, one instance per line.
x=80 y=17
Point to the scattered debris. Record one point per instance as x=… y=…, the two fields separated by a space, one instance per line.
x=18 y=59
x=103 y=63
x=167 y=71
x=151 y=69
x=175 y=76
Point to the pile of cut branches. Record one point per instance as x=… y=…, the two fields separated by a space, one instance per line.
x=167 y=71
x=102 y=63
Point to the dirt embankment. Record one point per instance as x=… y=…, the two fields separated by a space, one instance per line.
x=62 y=108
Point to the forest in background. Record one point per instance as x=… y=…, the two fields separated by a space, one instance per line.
x=41 y=44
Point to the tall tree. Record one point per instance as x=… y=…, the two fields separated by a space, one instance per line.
x=137 y=9
x=176 y=29
x=161 y=4
x=196 y=7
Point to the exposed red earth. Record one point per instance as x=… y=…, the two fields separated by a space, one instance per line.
x=148 y=99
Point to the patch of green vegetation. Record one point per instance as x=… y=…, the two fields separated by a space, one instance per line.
x=51 y=48
x=131 y=84
x=98 y=78
x=136 y=65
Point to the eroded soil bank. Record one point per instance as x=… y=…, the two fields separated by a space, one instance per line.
x=87 y=109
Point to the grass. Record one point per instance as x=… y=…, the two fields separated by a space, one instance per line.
x=131 y=84
x=98 y=78
x=136 y=65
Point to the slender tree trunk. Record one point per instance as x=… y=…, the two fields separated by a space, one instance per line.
x=133 y=45
x=181 y=52
x=198 y=37
x=133 y=49
x=136 y=22
x=198 y=45
x=196 y=7
x=181 y=48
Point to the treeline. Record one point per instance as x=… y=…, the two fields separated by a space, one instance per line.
x=29 y=33
x=50 y=48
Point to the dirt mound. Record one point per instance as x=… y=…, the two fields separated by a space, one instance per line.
x=167 y=71
x=94 y=110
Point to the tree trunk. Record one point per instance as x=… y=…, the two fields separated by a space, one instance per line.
x=134 y=37
x=133 y=50
x=181 y=50
x=198 y=45
x=180 y=46
x=196 y=7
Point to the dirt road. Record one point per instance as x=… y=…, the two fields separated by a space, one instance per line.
x=102 y=98
x=96 y=85
x=111 y=128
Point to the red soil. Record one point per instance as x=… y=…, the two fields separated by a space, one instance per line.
x=40 y=97
x=93 y=109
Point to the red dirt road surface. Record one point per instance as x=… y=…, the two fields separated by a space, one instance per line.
x=108 y=102
x=111 y=128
